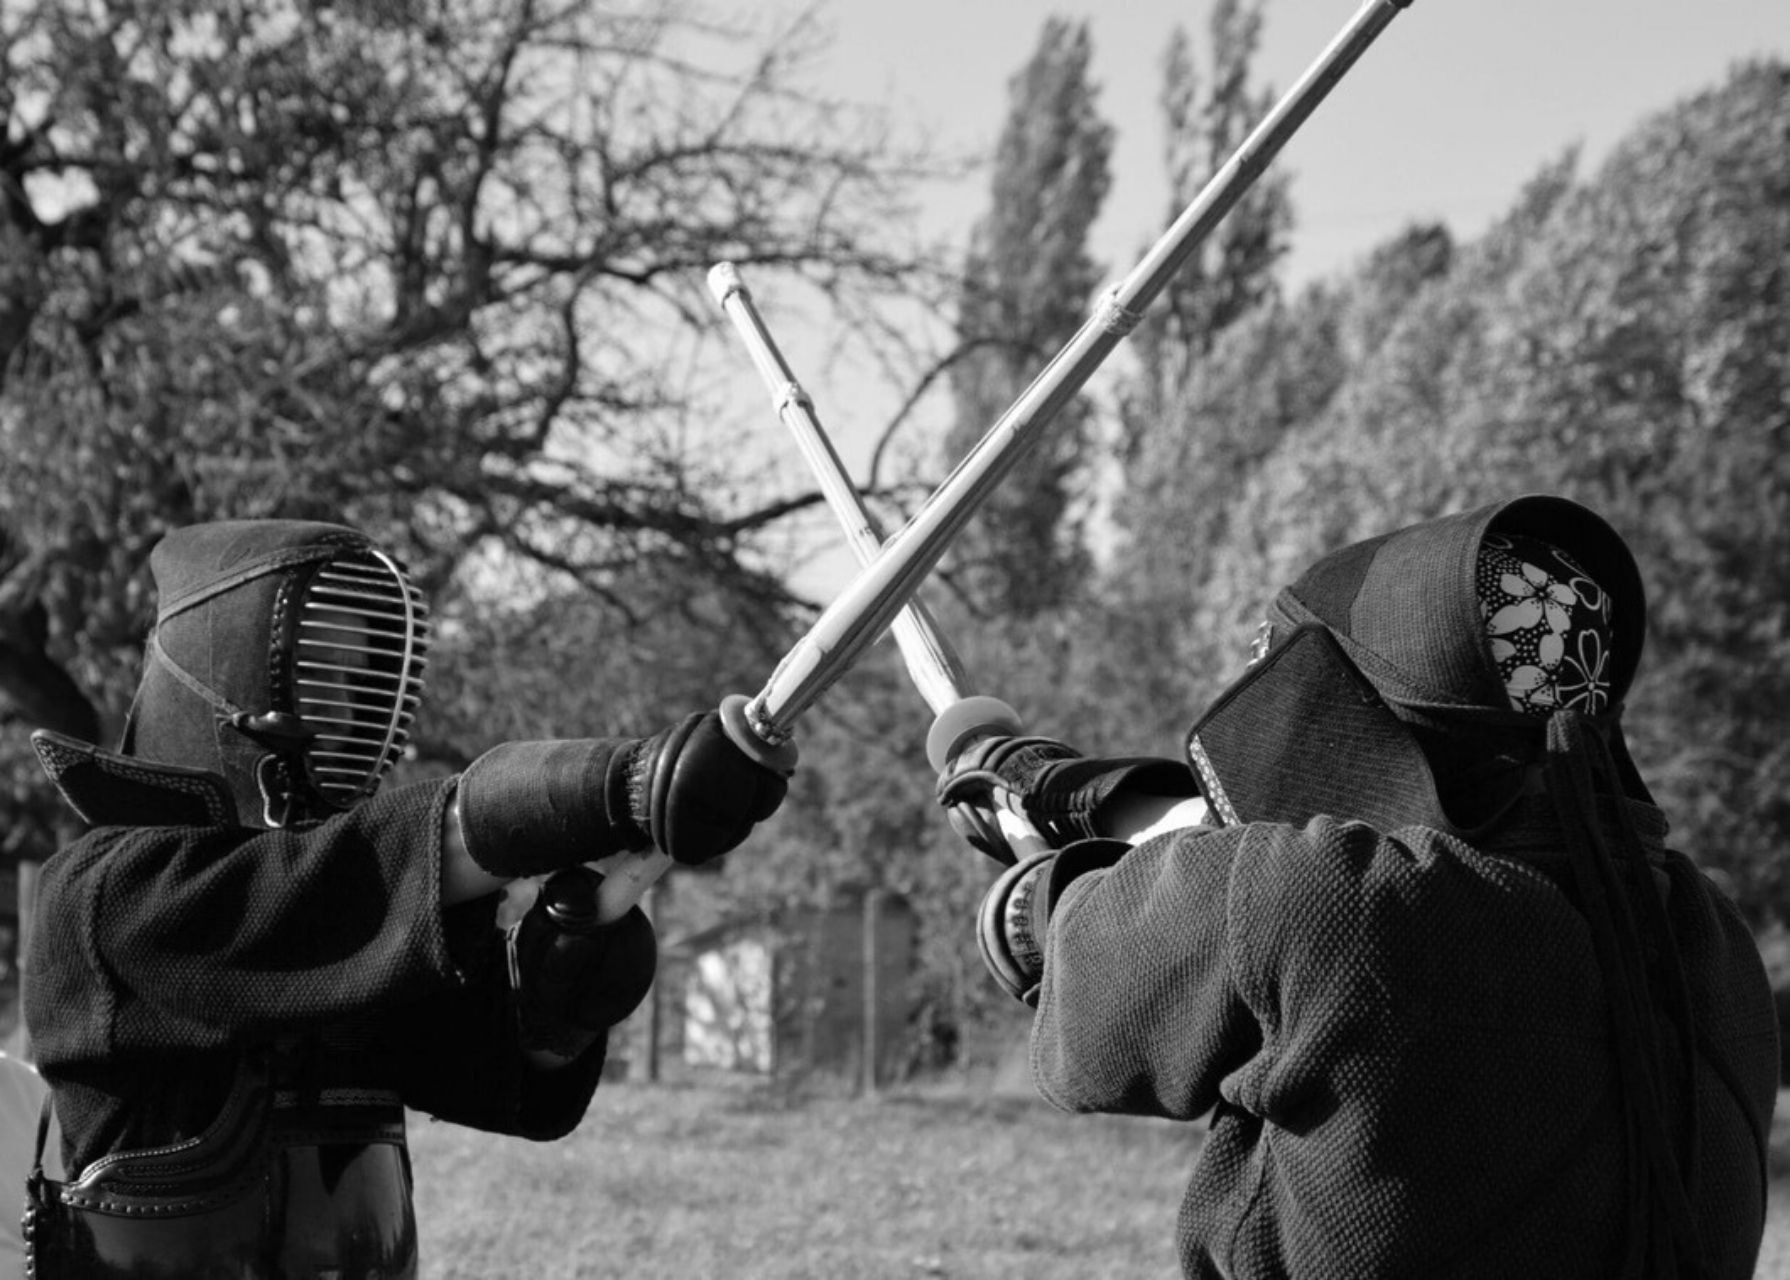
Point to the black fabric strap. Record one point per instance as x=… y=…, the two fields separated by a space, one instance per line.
x=1662 y=1237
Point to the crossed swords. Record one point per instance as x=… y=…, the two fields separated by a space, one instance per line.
x=882 y=596
x=932 y=663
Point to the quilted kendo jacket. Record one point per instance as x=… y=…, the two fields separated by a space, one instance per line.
x=1540 y=1046
x=234 y=1019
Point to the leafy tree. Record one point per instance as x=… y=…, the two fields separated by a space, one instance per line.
x=1028 y=285
x=1197 y=408
x=1622 y=340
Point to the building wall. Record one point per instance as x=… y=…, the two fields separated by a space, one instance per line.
x=727 y=998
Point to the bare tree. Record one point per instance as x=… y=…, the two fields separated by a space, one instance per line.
x=433 y=267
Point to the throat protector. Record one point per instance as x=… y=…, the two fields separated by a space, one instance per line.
x=1307 y=680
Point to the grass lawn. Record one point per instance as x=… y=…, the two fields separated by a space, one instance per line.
x=1774 y=1252
x=690 y=1181
x=669 y=1181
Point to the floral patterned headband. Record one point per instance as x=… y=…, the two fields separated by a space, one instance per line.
x=1548 y=624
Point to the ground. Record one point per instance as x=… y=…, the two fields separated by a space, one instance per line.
x=718 y=1176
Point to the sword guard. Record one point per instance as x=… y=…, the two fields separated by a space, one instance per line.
x=977 y=716
x=736 y=720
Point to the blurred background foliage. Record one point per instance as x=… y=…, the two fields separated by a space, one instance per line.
x=436 y=270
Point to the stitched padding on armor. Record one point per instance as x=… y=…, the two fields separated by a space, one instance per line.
x=106 y=788
x=198 y=1174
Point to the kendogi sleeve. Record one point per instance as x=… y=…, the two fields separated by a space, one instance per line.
x=1139 y=1011
x=456 y=1053
x=192 y=938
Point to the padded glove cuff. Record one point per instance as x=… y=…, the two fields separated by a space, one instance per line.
x=1012 y=946
x=694 y=794
x=532 y=807
x=1013 y=923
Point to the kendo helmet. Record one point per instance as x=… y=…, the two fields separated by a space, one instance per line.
x=287 y=658
x=1396 y=668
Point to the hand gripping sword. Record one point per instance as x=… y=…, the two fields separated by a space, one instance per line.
x=932 y=663
x=762 y=724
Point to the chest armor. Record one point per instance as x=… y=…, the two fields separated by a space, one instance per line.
x=283 y=1184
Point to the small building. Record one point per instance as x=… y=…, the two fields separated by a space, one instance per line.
x=806 y=991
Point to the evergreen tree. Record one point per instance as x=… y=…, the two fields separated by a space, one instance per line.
x=1028 y=286
x=1233 y=273
x=1220 y=368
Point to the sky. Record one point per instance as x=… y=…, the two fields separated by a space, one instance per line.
x=1454 y=107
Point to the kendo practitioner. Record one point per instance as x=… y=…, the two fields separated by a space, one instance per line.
x=257 y=958
x=1453 y=1006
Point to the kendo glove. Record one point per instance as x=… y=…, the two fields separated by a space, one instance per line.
x=1013 y=921
x=1009 y=930
x=693 y=794
x=571 y=977
x=1060 y=791
x=533 y=807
